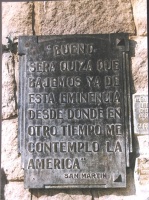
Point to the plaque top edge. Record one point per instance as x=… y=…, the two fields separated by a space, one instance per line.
x=32 y=39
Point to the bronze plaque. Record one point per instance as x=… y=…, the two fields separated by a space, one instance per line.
x=74 y=110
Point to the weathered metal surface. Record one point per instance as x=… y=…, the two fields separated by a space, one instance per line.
x=74 y=110
x=140 y=111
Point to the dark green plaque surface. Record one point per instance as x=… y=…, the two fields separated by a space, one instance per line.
x=74 y=110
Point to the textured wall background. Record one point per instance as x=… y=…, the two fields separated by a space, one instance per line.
x=71 y=17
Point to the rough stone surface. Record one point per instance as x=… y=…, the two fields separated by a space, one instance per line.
x=140 y=16
x=8 y=86
x=142 y=177
x=16 y=19
x=116 y=197
x=11 y=162
x=80 y=17
x=61 y=195
x=16 y=191
x=143 y=168
x=138 y=45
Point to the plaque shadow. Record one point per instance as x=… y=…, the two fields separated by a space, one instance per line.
x=4 y=181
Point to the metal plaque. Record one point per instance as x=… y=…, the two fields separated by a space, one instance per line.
x=140 y=108
x=74 y=110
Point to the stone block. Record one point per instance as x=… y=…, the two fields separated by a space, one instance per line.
x=138 y=48
x=16 y=19
x=61 y=194
x=143 y=170
x=11 y=161
x=117 y=197
x=140 y=16
x=16 y=191
x=83 y=17
x=142 y=177
x=8 y=86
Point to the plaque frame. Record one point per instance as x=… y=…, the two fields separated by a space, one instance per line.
x=116 y=42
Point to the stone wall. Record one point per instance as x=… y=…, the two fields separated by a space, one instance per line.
x=71 y=17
